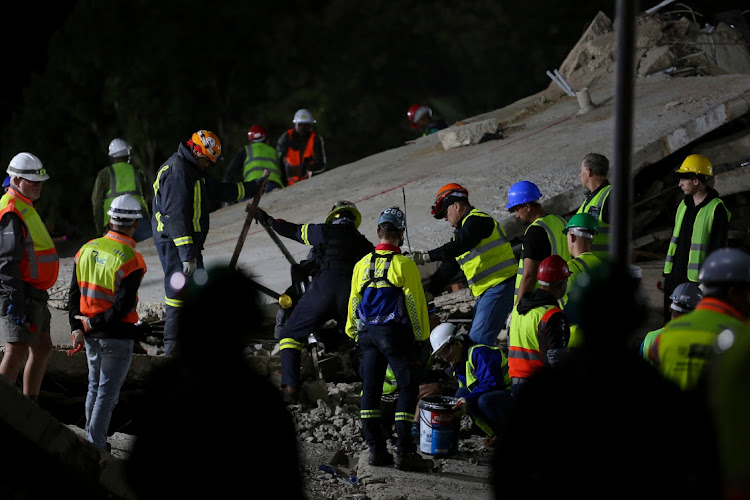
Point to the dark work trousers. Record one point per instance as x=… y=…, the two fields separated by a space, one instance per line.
x=171 y=265
x=492 y=408
x=326 y=298
x=381 y=346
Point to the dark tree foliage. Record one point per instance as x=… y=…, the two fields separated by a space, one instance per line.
x=154 y=72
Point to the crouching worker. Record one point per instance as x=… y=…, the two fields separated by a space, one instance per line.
x=389 y=321
x=483 y=379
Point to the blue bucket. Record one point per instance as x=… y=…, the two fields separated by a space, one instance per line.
x=439 y=425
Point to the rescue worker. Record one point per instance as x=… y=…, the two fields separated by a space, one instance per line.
x=542 y=238
x=684 y=299
x=29 y=266
x=300 y=150
x=420 y=118
x=483 y=379
x=580 y=231
x=683 y=351
x=388 y=318
x=107 y=273
x=119 y=178
x=594 y=169
x=539 y=331
x=182 y=193
x=481 y=250
x=338 y=245
x=255 y=157
x=701 y=225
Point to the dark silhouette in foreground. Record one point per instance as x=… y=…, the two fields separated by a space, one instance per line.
x=604 y=423
x=208 y=423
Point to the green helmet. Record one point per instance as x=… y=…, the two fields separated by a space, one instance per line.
x=344 y=206
x=583 y=221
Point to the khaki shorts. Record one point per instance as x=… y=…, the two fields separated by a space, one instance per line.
x=36 y=311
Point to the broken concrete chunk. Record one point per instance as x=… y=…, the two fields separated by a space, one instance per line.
x=655 y=60
x=469 y=134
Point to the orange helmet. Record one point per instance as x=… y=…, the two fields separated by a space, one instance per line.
x=446 y=192
x=206 y=143
x=416 y=112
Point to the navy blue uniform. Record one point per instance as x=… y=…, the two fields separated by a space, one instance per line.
x=338 y=247
x=182 y=193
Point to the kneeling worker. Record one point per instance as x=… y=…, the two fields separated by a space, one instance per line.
x=483 y=379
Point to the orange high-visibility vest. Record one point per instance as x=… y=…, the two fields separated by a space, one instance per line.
x=40 y=264
x=295 y=158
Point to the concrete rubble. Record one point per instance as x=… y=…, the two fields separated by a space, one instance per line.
x=692 y=92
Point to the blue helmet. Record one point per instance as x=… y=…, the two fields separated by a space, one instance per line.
x=393 y=215
x=522 y=192
x=6 y=182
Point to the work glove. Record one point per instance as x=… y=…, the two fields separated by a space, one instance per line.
x=262 y=217
x=77 y=342
x=420 y=258
x=189 y=267
x=86 y=322
x=461 y=407
x=20 y=319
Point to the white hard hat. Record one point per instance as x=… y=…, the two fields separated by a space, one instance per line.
x=119 y=148
x=27 y=166
x=124 y=210
x=303 y=116
x=440 y=335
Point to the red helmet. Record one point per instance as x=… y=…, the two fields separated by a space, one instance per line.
x=257 y=134
x=416 y=112
x=447 y=191
x=552 y=269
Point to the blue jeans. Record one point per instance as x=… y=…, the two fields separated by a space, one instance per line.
x=109 y=361
x=492 y=408
x=143 y=231
x=491 y=309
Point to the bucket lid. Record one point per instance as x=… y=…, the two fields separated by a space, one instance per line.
x=438 y=402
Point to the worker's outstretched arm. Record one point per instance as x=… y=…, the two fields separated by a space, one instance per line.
x=528 y=280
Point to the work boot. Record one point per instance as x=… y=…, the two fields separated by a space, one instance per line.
x=413 y=462
x=289 y=394
x=380 y=457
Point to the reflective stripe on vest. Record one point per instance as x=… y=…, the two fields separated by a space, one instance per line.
x=524 y=356
x=197 y=198
x=40 y=264
x=594 y=206
x=553 y=225
x=259 y=157
x=699 y=238
x=490 y=262
x=123 y=179
x=100 y=266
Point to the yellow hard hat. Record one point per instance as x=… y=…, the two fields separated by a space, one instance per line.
x=696 y=164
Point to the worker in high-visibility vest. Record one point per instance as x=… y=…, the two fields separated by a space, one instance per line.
x=107 y=273
x=701 y=225
x=301 y=150
x=255 y=157
x=483 y=379
x=684 y=349
x=581 y=231
x=479 y=248
x=29 y=266
x=594 y=169
x=539 y=331
x=684 y=299
x=543 y=235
